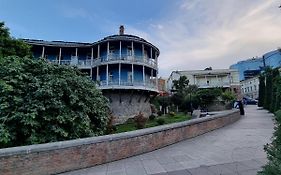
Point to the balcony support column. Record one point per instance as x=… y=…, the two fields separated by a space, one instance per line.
x=132 y=73
x=97 y=78
x=120 y=50
x=92 y=59
x=107 y=74
x=59 y=55
x=119 y=73
x=151 y=75
x=156 y=59
x=133 y=52
x=143 y=56
x=98 y=51
x=217 y=78
x=156 y=79
x=151 y=52
x=143 y=75
x=76 y=52
x=43 y=52
x=107 y=50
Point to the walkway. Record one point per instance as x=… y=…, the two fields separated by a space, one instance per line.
x=232 y=150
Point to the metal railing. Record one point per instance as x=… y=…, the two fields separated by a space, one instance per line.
x=109 y=58
x=148 y=84
x=126 y=58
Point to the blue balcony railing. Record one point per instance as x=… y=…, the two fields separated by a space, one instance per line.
x=148 y=84
x=110 y=58
x=125 y=58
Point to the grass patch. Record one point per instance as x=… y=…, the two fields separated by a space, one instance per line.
x=151 y=123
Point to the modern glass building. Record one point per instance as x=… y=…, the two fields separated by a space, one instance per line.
x=252 y=67
x=124 y=67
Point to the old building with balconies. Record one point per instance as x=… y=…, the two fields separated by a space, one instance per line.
x=125 y=68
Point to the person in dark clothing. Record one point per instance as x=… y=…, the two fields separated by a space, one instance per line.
x=241 y=108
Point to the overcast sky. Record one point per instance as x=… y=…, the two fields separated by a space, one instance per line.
x=191 y=34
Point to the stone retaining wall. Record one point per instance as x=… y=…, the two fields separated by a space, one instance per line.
x=52 y=158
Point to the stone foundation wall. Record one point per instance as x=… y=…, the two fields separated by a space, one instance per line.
x=57 y=157
x=128 y=104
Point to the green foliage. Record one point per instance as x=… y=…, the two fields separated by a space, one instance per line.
x=268 y=89
x=275 y=86
x=181 y=84
x=228 y=96
x=277 y=95
x=41 y=102
x=10 y=46
x=261 y=90
x=207 y=96
x=160 y=121
x=130 y=124
x=273 y=167
x=152 y=117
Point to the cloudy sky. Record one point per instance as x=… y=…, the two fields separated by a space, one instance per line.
x=191 y=34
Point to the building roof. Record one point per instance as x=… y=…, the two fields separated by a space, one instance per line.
x=123 y=37
x=56 y=43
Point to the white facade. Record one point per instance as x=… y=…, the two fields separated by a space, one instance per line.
x=225 y=78
x=250 y=87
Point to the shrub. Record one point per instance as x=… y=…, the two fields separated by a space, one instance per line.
x=140 y=120
x=42 y=102
x=160 y=121
x=110 y=128
x=274 y=150
x=159 y=113
x=152 y=117
x=172 y=114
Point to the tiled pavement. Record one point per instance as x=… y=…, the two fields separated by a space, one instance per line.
x=236 y=149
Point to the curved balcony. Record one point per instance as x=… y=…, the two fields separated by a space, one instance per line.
x=148 y=85
x=125 y=58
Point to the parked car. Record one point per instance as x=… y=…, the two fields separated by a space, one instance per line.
x=249 y=101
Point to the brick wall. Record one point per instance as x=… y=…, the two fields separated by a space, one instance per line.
x=64 y=156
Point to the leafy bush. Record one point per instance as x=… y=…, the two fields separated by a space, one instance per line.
x=140 y=120
x=160 y=121
x=172 y=114
x=274 y=150
x=228 y=96
x=159 y=113
x=110 y=127
x=152 y=117
x=41 y=102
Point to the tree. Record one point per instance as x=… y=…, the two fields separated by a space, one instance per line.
x=181 y=85
x=10 y=46
x=207 y=96
x=275 y=75
x=268 y=88
x=41 y=102
x=261 y=90
x=277 y=85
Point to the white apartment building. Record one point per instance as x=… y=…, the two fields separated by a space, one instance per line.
x=250 y=87
x=223 y=78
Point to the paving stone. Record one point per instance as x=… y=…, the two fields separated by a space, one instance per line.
x=219 y=169
x=173 y=167
x=179 y=172
x=153 y=167
x=200 y=171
